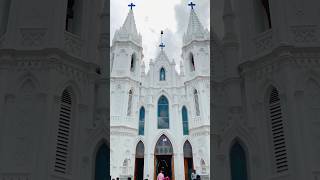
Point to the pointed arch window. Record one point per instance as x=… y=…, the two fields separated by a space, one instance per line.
x=277 y=132
x=129 y=103
x=101 y=165
x=73 y=17
x=262 y=15
x=4 y=15
x=133 y=62
x=192 y=65
x=163 y=113
x=141 y=121
x=185 y=122
x=238 y=162
x=162 y=74
x=64 y=133
x=196 y=102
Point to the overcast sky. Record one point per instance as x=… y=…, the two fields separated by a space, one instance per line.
x=152 y=16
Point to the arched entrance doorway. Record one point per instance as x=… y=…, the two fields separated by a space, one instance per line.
x=188 y=161
x=139 y=161
x=163 y=157
x=102 y=163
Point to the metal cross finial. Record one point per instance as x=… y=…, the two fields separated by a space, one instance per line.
x=191 y=4
x=131 y=5
x=161 y=45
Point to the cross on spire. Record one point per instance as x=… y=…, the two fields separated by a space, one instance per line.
x=131 y=5
x=191 y=4
x=161 y=45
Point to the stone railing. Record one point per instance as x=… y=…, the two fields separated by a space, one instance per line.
x=264 y=42
x=73 y=44
x=123 y=121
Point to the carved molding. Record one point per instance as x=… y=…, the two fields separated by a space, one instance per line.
x=304 y=34
x=264 y=42
x=32 y=37
x=73 y=44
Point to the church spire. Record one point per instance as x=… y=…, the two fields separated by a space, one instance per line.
x=128 y=31
x=195 y=30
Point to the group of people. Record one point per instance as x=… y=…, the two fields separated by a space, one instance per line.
x=194 y=176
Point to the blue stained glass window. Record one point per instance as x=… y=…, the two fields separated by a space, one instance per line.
x=238 y=162
x=141 y=121
x=185 y=121
x=163 y=113
x=102 y=166
x=162 y=74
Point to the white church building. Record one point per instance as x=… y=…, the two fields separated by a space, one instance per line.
x=160 y=119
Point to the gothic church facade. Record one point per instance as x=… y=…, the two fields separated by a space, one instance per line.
x=160 y=118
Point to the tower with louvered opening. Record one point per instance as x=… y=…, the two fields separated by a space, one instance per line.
x=277 y=132
x=62 y=160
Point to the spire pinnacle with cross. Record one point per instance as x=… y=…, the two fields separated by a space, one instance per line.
x=131 y=5
x=191 y=4
x=161 y=44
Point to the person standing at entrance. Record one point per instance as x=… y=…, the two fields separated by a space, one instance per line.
x=194 y=175
x=160 y=175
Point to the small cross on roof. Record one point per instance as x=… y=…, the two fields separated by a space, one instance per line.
x=191 y=4
x=131 y=5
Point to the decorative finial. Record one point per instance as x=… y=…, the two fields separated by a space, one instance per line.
x=131 y=5
x=161 y=45
x=191 y=4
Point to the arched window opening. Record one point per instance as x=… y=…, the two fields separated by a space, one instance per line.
x=141 y=121
x=163 y=156
x=139 y=161
x=185 y=122
x=133 y=63
x=238 y=163
x=262 y=15
x=163 y=113
x=73 y=17
x=196 y=102
x=265 y=4
x=188 y=159
x=64 y=133
x=4 y=15
x=192 y=65
x=101 y=165
x=162 y=74
x=129 y=103
x=277 y=132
